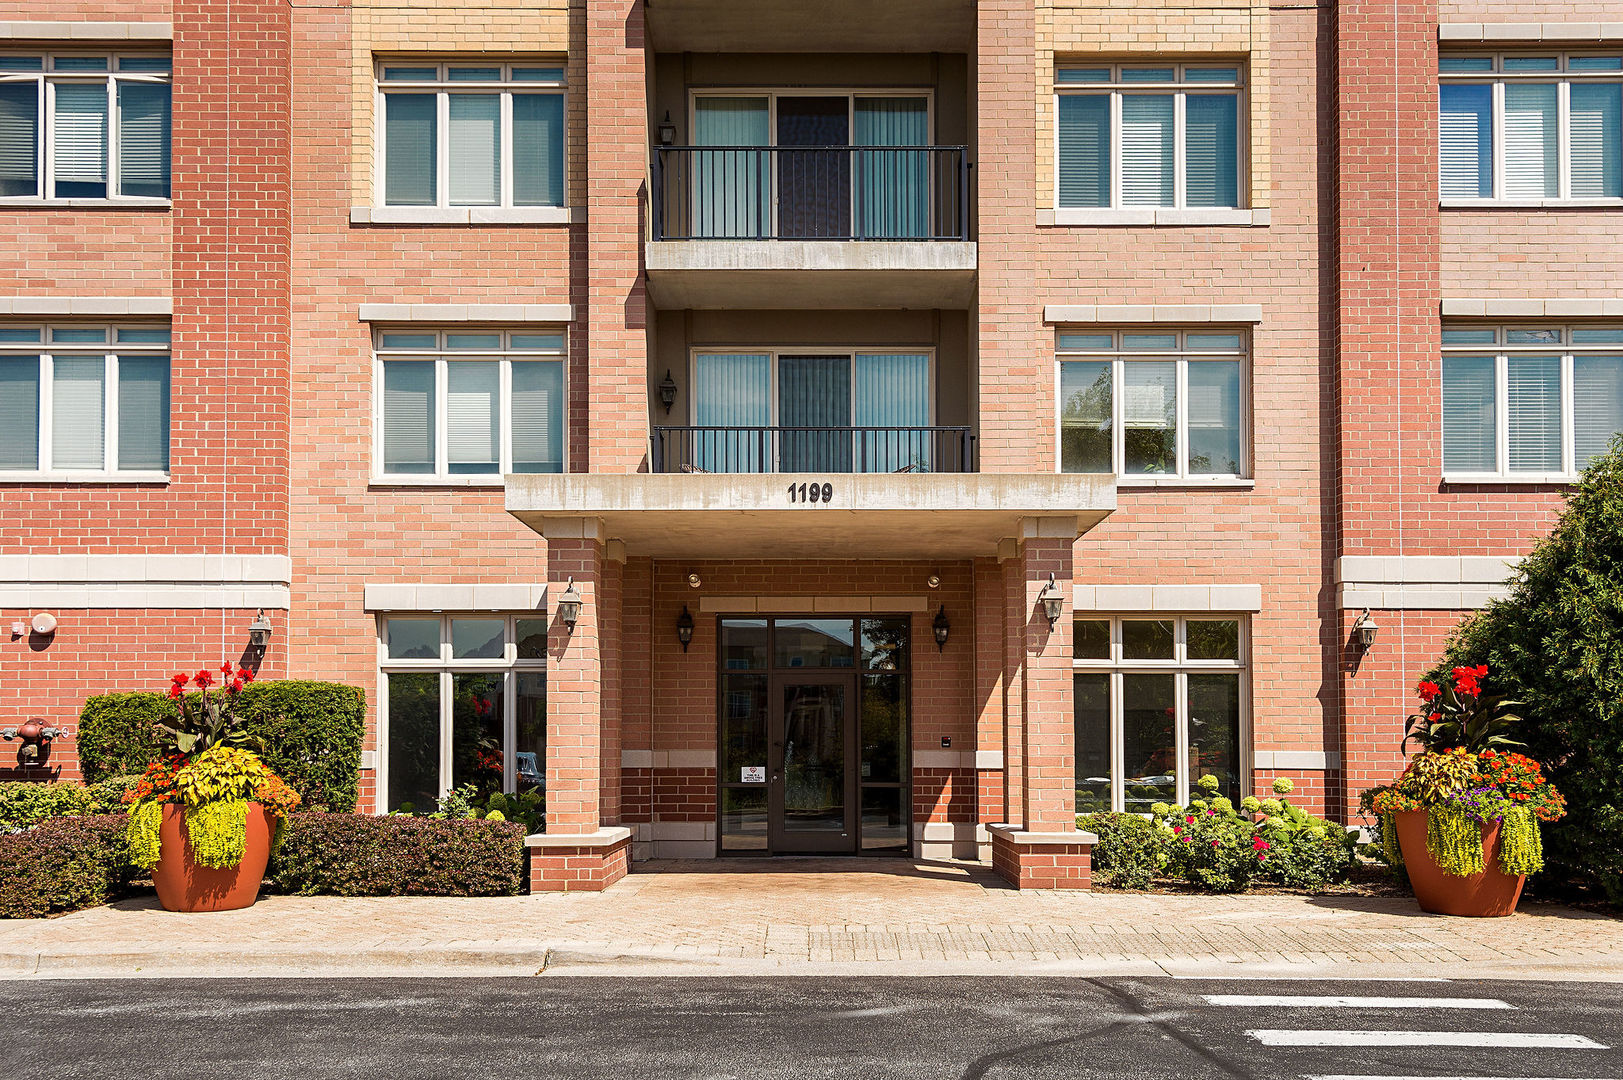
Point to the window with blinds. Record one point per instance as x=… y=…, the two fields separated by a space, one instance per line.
x=468 y=405
x=1131 y=135
x=1148 y=404
x=471 y=134
x=1530 y=128
x=84 y=126
x=1534 y=403
x=84 y=401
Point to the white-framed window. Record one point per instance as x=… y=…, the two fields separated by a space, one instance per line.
x=84 y=126
x=463 y=701
x=84 y=402
x=468 y=405
x=1153 y=404
x=1530 y=127
x=1160 y=701
x=1532 y=403
x=815 y=409
x=470 y=134
x=1145 y=135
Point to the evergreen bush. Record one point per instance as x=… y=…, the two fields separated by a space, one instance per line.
x=1555 y=644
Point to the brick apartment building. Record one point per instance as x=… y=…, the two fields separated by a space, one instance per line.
x=785 y=427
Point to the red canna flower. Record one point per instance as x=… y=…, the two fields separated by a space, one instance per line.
x=203 y=679
x=225 y=669
x=174 y=692
x=1429 y=691
x=245 y=675
x=180 y=680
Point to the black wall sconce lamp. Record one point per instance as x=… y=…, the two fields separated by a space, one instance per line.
x=259 y=631
x=941 y=627
x=569 y=606
x=1364 y=631
x=1053 y=603
x=684 y=628
x=667 y=391
x=667 y=130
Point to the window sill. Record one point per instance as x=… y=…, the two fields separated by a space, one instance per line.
x=435 y=481
x=461 y=215
x=1242 y=483
x=84 y=478
x=85 y=204
x=1519 y=479
x=1531 y=204
x=1154 y=216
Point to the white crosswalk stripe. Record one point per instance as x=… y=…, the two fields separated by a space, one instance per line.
x=1336 y=1001
x=1499 y=1040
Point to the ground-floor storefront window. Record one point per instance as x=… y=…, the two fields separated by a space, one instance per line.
x=1159 y=703
x=464 y=702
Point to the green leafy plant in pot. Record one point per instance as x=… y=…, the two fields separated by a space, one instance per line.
x=1464 y=816
x=204 y=817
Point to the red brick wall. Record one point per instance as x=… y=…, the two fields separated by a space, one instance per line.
x=685 y=794
x=107 y=650
x=944 y=795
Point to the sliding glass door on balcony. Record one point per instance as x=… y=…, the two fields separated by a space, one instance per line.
x=811 y=412
x=812 y=166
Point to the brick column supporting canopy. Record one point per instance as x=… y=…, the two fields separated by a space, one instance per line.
x=584 y=847
x=1040 y=847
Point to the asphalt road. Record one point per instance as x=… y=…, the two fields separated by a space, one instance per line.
x=776 y=1029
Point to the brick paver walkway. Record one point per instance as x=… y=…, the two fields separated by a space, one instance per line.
x=820 y=917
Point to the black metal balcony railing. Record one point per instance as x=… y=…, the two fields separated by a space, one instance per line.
x=813 y=449
x=811 y=193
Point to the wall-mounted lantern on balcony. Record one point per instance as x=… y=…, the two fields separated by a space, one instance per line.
x=667 y=131
x=569 y=606
x=941 y=627
x=667 y=391
x=1053 y=603
x=1364 y=631
x=684 y=628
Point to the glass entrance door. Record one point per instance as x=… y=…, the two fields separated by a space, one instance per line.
x=812 y=751
x=809 y=795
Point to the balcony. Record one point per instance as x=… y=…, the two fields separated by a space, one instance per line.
x=824 y=450
x=810 y=227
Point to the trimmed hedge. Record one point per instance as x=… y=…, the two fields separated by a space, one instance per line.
x=312 y=733
x=64 y=864
x=26 y=802
x=359 y=855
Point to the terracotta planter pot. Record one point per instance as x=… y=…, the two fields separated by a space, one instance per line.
x=183 y=885
x=1490 y=893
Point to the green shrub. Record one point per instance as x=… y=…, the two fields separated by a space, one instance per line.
x=107 y=795
x=116 y=735
x=1131 y=852
x=25 y=802
x=360 y=855
x=311 y=732
x=63 y=864
x=1555 y=644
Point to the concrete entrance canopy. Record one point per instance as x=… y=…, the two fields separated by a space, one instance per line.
x=870 y=516
x=817 y=274
x=767 y=26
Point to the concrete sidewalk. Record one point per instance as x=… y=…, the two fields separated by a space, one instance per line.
x=817 y=917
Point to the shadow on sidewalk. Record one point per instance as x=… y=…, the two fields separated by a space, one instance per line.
x=958 y=873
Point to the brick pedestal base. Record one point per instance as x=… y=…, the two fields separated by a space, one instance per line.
x=1042 y=860
x=588 y=862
